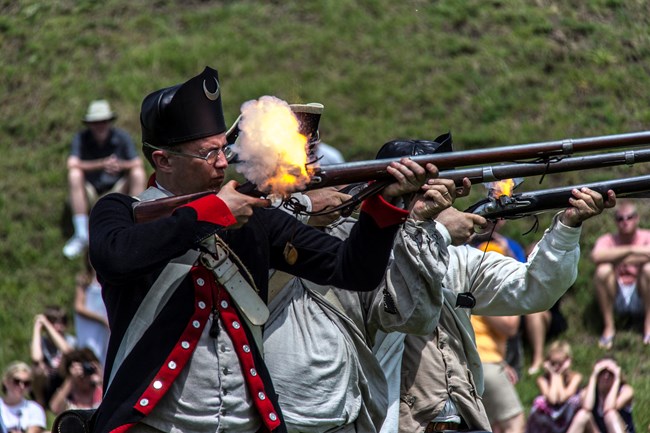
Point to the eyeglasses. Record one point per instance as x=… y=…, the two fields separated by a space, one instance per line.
x=25 y=383
x=210 y=158
x=621 y=218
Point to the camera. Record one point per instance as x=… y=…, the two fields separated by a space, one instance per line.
x=88 y=368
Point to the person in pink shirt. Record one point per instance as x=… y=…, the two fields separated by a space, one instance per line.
x=622 y=276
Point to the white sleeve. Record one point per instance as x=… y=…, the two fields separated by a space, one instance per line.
x=410 y=296
x=503 y=286
x=35 y=415
x=303 y=199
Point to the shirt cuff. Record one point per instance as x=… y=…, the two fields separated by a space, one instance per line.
x=383 y=213
x=212 y=209
x=303 y=199
x=446 y=236
x=565 y=237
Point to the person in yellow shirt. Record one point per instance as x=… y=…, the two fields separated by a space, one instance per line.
x=502 y=403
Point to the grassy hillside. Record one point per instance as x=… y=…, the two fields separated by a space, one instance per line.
x=493 y=72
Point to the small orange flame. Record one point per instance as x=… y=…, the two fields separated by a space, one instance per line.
x=502 y=187
x=273 y=152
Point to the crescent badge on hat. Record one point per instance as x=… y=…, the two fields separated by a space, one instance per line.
x=212 y=96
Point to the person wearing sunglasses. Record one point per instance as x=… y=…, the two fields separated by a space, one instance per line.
x=622 y=275
x=19 y=414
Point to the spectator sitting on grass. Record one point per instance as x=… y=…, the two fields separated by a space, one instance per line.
x=559 y=399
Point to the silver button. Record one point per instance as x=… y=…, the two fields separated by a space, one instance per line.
x=273 y=417
x=236 y=325
x=246 y=348
x=144 y=402
x=261 y=396
x=226 y=370
x=253 y=372
x=172 y=365
x=185 y=345
x=196 y=323
x=202 y=305
x=157 y=384
x=223 y=348
x=224 y=304
x=200 y=282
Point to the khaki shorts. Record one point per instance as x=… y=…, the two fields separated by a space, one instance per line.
x=91 y=193
x=500 y=397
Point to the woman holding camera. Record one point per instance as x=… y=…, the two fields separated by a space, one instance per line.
x=82 y=384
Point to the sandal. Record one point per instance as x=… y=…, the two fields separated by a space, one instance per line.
x=607 y=342
x=532 y=371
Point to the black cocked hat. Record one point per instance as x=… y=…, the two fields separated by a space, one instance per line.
x=401 y=148
x=184 y=112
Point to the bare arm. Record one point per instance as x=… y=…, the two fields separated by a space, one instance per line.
x=573 y=386
x=552 y=387
x=36 y=347
x=589 y=394
x=625 y=396
x=504 y=325
x=59 y=401
x=623 y=253
x=557 y=391
x=34 y=429
x=57 y=338
x=110 y=164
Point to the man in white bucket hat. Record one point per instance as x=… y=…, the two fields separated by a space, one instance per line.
x=102 y=159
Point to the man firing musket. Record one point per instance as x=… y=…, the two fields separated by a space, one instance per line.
x=186 y=293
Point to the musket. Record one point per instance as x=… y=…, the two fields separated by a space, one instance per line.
x=536 y=202
x=364 y=171
x=526 y=169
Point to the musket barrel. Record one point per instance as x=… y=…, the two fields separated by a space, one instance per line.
x=536 y=202
x=364 y=171
x=509 y=171
x=351 y=172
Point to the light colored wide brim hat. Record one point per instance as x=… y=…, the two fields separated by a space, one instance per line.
x=308 y=116
x=99 y=111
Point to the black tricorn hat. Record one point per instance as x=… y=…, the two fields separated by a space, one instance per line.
x=401 y=148
x=183 y=112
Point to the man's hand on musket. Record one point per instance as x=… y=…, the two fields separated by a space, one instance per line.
x=324 y=198
x=409 y=176
x=241 y=205
x=436 y=195
x=585 y=204
x=461 y=225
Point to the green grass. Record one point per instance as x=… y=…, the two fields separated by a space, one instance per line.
x=493 y=72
